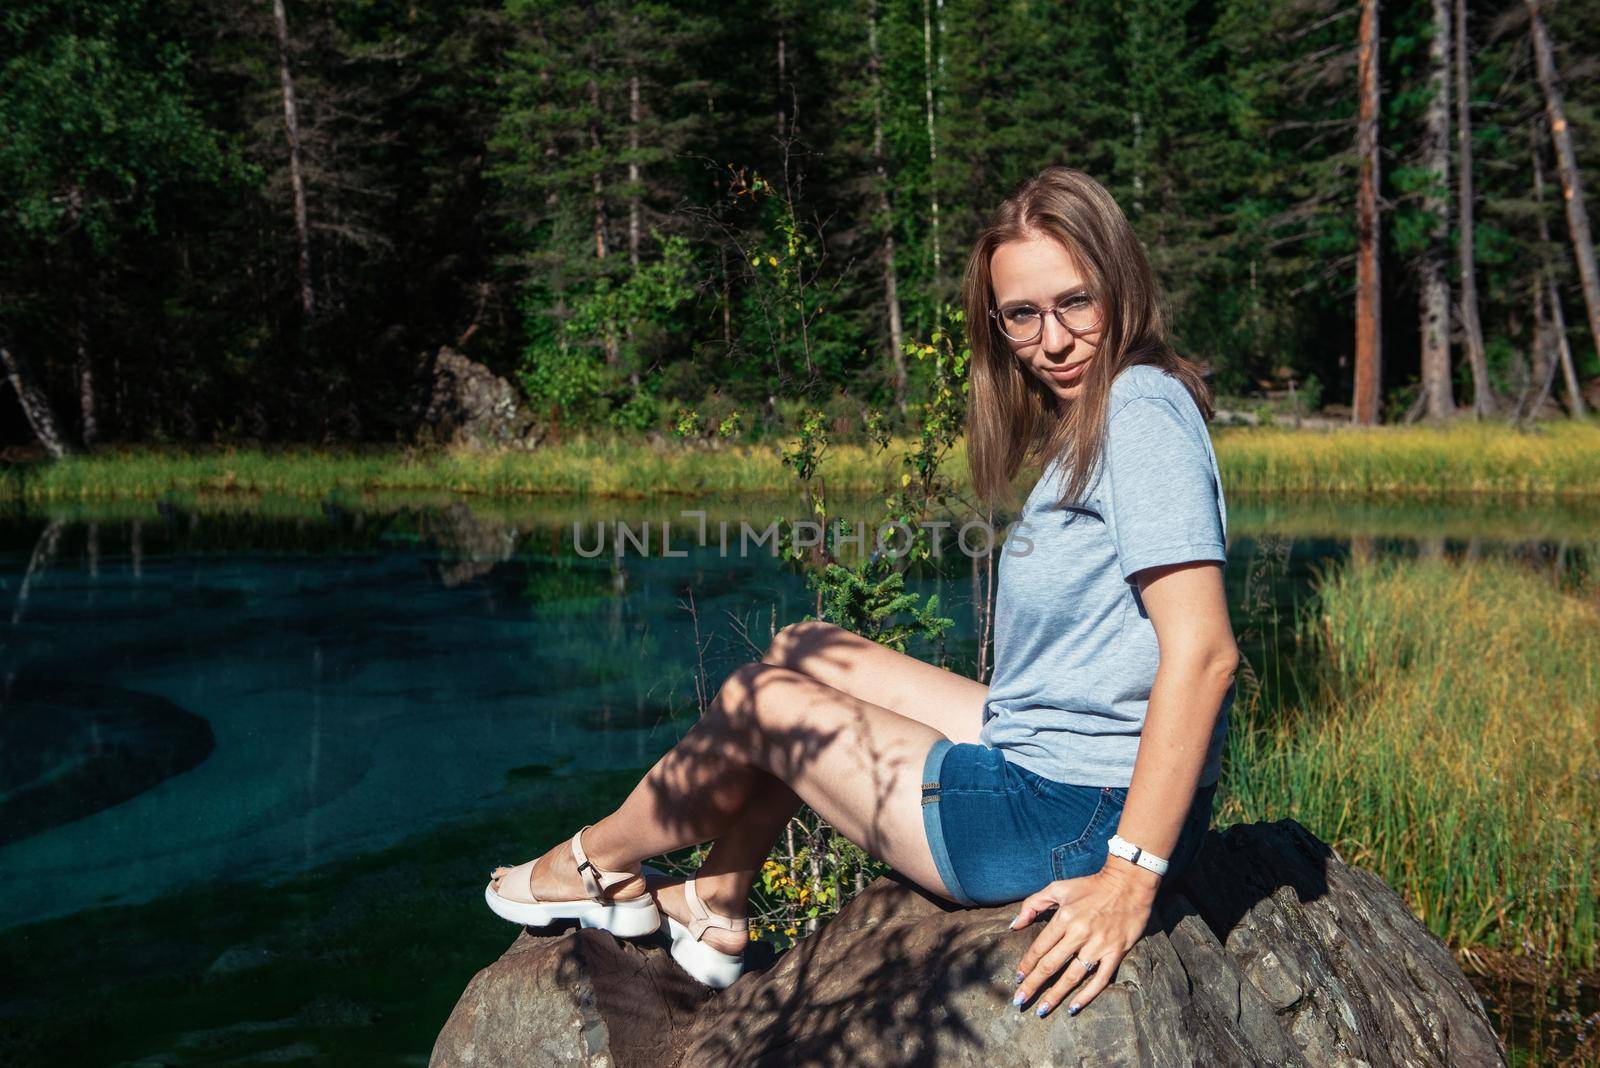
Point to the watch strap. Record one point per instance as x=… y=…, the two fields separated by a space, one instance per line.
x=1119 y=846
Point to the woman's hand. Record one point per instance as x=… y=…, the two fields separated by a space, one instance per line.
x=1097 y=918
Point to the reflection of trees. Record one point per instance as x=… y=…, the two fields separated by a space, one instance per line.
x=45 y=548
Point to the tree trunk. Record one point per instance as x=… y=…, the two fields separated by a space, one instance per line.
x=783 y=75
x=891 y=286
x=1566 y=168
x=633 y=172
x=1544 y=366
x=1438 y=397
x=933 y=138
x=297 y=182
x=35 y=405
x=1369 y=308
x=1558 y=319
x=597 y=186
x=82 y=364
x=1569 y=374
x=83 y=372
x=1483 y=400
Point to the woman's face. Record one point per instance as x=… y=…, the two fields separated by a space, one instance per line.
x=1039 y=272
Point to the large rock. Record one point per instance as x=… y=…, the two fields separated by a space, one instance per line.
x=1270 y=951
x=465 y=403
x=581 y=998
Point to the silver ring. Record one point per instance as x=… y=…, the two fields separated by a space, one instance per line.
x=1088 y=965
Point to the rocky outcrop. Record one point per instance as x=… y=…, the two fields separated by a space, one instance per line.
x=1270 y=951
x=465 y=403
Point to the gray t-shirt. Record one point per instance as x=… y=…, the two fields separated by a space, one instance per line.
x=1075 y=652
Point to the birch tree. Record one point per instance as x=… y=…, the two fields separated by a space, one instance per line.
x=297 y=179
x=1434 y=305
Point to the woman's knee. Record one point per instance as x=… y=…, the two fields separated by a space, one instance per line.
x=759 y=698
x=736 y=703
x=795 y=641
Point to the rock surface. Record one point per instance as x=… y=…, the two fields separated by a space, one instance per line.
x=468 y=404
x=1270 y=950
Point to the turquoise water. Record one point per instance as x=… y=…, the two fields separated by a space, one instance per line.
x=240 y=743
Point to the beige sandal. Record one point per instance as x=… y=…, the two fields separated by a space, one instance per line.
x=625 y=919
x=713 y=968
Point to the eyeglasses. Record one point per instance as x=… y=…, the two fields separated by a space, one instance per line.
x=1023 y=323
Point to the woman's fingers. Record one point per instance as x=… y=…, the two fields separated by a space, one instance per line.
x=1033 y=906
x=1045 y=958
x=1074 y=974
x=1098 y=981
x=1041 y=944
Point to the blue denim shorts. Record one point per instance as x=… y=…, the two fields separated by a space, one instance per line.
x=998 y=832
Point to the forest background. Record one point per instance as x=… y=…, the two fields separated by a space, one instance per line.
x=226 y=223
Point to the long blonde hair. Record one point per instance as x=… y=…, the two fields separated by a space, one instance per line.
x=1012 y=417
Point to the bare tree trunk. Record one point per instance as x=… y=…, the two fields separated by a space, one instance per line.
x=891 y=285
x=82 y=364
x=783 y=74
x=83 y=371
x=1483 y=400
x=1544 y=365
x=608 y=338
x=1569 y=374
x=1566 y=168
x=297 y=182
x=1369 y=297
x=633 y=196
x=933 y=137
x=1558 y=319
x=1439 y=398
x=633 y=172
x=35 y=405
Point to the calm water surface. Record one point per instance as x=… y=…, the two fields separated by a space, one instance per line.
x=239 y=742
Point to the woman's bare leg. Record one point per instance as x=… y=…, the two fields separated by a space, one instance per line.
x=856 y=763
x=949 y=703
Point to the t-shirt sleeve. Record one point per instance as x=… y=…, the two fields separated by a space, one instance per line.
x=1161 y=496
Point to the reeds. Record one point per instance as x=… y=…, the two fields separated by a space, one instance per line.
x=1446 y=735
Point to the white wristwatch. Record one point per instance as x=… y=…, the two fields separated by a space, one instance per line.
x=1121 y=847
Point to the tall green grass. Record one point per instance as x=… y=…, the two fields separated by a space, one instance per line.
x=1446 y=735
x=1555 y=460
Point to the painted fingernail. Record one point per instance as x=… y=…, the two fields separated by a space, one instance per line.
x=1021 y=975
x=1019 y=999
x=1012 y=926
x=1044 y=1007
x=1072 y=1010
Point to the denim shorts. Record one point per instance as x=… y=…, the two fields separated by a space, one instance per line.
x=998 y=832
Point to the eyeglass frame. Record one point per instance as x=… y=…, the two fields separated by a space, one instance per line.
x=1053 y=309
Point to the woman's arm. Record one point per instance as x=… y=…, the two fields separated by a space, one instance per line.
x=1101 y=916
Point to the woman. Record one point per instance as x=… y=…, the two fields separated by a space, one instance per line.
x=1088 y=764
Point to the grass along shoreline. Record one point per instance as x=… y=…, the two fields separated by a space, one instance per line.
x=1558 y=460
x=1442 y=734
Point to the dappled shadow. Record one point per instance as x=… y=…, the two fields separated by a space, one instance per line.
x=774 y=730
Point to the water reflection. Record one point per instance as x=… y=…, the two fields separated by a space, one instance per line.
x=359 y=670
x=256 y=688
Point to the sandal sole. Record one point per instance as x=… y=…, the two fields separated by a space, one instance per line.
x=634 y=918
x=712 y=967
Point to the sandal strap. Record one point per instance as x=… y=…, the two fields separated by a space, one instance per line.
x=596 y=880
x=701 y=917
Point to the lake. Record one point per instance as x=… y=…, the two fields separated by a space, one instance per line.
x=258 y=756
